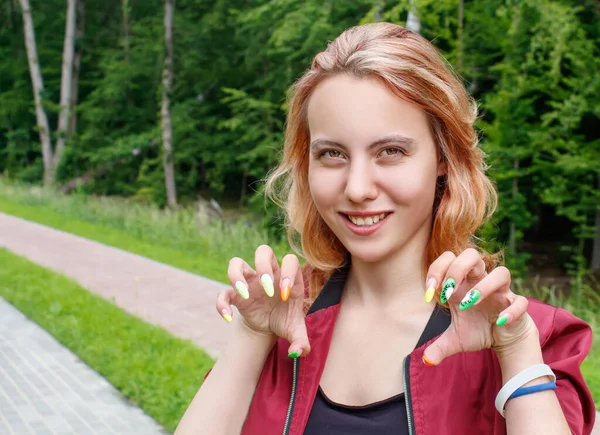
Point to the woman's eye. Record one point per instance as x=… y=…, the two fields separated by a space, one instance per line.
x=391 y=152
x=334 y=154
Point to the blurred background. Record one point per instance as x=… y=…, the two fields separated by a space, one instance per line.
x=149 y=126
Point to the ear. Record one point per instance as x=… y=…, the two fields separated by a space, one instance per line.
x=442 y=168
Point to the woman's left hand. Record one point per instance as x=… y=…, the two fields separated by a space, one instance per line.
x=485 y=312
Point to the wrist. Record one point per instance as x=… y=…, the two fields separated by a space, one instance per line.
x=519 y=356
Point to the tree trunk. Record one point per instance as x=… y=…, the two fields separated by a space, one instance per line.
x=66 y=82
x=79 y=32
x=167 y=134
x=412 y=22
x=38 y=92
x=596 y=251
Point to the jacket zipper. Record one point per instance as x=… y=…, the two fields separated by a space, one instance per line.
x=409 y=413
x=288 y=418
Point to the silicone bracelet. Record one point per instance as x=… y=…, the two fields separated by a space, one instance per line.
x=520 y=379
x=533 y=389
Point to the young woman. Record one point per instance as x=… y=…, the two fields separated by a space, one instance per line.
x=383 y=181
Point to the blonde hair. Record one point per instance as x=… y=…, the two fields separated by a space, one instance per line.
x=412 y=69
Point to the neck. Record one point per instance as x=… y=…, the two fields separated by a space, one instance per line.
x=396 y=282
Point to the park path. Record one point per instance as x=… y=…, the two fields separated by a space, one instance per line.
x=178 y=301
x=46 y=390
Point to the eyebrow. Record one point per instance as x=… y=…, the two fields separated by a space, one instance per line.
x=396 y=138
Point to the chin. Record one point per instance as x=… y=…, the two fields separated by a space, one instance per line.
x=369 y=254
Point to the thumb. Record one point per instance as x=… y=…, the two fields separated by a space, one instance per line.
x=299 y=340
x=440 y=349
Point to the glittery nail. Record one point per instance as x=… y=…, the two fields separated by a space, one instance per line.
x=267 y=283
x=242 y=289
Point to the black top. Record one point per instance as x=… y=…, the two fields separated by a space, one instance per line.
x=384 y=417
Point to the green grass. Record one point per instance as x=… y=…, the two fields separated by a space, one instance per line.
x=158 y=372
x=183 y=239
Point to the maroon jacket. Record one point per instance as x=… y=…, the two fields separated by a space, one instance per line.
x=456 y=397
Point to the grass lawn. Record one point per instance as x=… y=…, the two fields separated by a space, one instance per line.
x=158 y=372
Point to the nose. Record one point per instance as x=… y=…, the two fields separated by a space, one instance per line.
x=361 y=184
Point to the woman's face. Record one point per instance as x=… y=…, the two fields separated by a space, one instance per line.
x=373 y=166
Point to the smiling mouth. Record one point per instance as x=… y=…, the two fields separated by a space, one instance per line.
x=366 y=221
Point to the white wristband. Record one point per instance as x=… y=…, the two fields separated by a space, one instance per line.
x=520 y=379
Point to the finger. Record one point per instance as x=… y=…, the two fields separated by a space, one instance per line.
x=290 y=276
x=514 y=311
x=238 y=272
x=441 y=349
x=496 y=282
x=467 y=266
x=266 y=266
x=299 y=341
x=436 y=273
x=224 y=304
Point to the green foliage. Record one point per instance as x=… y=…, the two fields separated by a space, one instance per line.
x=531 y=64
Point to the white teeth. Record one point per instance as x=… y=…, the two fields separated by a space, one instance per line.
x=367 y=221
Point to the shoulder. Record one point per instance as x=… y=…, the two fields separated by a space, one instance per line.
x=553 y=322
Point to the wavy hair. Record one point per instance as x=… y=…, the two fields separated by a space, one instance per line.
x=411 y=68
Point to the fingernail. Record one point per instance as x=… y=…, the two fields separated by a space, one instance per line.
x=470 y=298
x=226 y=316
x=295 y=354
x=502 y=320
x=242 y=289
x=285 y=289
x=427 y=362
x=430 y=292
x=447 y=289
x=267 y=283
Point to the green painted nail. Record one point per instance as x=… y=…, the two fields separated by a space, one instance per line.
x=468 y=301
x=502 y=320
x=447 y=290
x=295 y=354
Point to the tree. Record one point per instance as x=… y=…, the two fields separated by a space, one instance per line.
x=51 y=157
x=167 y=132
x=38 y=92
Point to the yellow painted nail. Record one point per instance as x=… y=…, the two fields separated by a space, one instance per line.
x=242 y=289
x=267 y=283
x=226 y=316
x=429 y=294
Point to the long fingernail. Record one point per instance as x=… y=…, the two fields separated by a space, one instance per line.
x=502 y=320
x=285 y=289
x=267 y=283
x=242 y=289
x=427 y=362
x=470 y=298
x=447 y=289
x=295 y=354
x=226 y=316
x=430 y=292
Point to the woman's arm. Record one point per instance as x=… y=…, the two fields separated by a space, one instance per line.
x=221 y=404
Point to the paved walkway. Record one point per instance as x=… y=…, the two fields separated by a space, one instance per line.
x=45 y=389
x=178 y=301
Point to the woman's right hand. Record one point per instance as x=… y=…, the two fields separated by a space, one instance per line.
x=270 y=299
